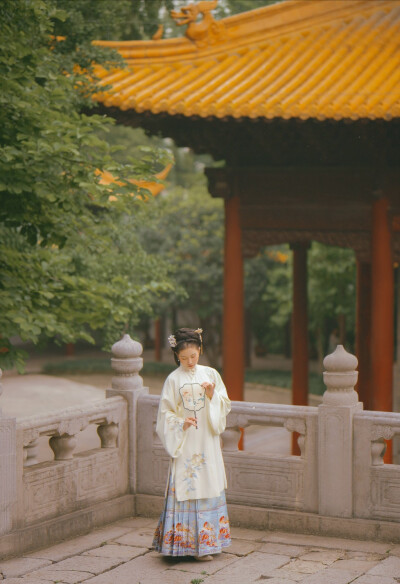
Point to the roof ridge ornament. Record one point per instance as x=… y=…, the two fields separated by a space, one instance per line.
x=205 y=32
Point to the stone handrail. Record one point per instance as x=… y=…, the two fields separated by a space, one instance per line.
x=62 y=428
x=293 y=418
x=73 y=482
x=289 y=481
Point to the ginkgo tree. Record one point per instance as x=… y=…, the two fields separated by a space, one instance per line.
x=69 y=260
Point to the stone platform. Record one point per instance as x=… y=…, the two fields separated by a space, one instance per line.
x=121 y=553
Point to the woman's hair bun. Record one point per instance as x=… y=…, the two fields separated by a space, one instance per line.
x=187 y=335
x=184 y=337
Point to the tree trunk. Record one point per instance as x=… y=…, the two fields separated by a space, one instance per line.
x=320 y=348
x=342 y=328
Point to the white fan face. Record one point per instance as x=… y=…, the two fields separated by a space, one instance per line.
x=193 y=396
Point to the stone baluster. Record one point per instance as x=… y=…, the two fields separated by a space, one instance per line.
x=31 y=451
x=335 y=434
x=8 y=470
x=378 y=449
x=63 y=446
x=108 y=435
x=126 y=364
x=230 y=439
x=299 y=426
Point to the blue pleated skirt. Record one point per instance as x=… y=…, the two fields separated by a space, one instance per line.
x=192 y=528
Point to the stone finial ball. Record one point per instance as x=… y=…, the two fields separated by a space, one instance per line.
x=340 y=360
x=126 y=348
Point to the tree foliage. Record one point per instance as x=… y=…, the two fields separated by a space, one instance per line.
x=268 y=297
x=332 y=295
x=56 y=218
x=187 y=233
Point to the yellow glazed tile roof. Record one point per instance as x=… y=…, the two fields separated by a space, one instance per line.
x=325 y=59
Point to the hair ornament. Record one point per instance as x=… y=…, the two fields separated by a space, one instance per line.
x=172 y=341
x=199 y=331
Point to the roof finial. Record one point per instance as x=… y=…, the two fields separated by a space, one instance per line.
x=208 y=30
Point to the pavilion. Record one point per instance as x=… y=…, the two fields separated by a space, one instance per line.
x=302 y=101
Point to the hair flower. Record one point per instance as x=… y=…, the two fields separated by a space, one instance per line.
x=172 y=341
x=199 y=331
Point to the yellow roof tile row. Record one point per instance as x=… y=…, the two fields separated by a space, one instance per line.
x=296 y=59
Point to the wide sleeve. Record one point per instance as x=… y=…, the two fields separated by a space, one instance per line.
x=169 y=423
x=219 y=406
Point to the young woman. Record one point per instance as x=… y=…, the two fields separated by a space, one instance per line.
x=191 y=416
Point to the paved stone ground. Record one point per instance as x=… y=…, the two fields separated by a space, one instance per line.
x=121 y=554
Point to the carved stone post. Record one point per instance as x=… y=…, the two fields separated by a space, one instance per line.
x=335 y=434
x=8 y=470
x=126 y=364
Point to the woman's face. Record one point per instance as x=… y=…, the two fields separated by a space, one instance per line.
x=189 y=356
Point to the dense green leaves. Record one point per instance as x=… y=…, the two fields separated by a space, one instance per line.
x=70 y=262
x=187 y=232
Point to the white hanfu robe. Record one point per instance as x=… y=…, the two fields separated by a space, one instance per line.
x=196 y=464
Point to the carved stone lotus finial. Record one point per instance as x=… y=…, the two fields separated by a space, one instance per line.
x=127 y=363
x=340 y=378
x=126 y=348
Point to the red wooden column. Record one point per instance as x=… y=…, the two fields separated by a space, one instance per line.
x=299 y=331
x=363 y=333
x=382 y=319
x=233 y=324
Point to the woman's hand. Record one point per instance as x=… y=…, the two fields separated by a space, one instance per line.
x=189 y=422
x=209 y=387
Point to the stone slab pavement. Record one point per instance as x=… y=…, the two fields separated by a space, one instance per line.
x=121 y=554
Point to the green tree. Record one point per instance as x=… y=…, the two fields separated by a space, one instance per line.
x=187 y=233
x=61 y=261
x=268 y=298
x=332 y=295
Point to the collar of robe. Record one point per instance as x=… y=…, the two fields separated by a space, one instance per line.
x=190 y=372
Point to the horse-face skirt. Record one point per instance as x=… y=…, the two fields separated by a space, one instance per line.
x=192 y=528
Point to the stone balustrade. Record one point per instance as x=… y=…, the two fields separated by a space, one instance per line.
x=71 y=481
x=338 y=479
x=289 y=482
x=377 y=489
x=339 y=485
x=63 y=427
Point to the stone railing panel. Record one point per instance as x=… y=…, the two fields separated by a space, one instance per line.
x=376 y=485
x=288 y=482
x=265 y=481
x=72 y=481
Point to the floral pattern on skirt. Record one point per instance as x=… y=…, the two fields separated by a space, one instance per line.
x=192 y=528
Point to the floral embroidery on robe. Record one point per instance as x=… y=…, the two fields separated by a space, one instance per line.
x=192 y=465
x=183 y=396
